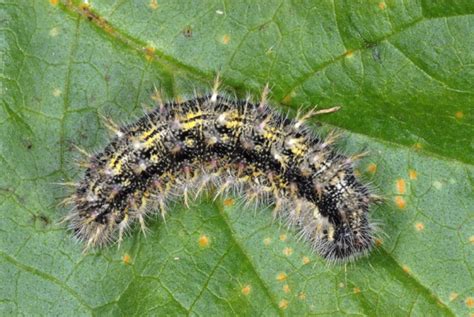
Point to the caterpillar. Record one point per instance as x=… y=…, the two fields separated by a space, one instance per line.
x=233 y=146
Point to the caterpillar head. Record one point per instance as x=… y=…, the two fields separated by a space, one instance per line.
x=347 y=232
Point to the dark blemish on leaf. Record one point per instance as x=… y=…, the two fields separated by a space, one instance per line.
x=43 y=219
x=27 y=143
x=375 y=51
x=188 y=31
x=94 y=18
x=376 y=54
x=263 y=26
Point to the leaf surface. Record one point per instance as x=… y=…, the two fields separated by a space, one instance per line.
x=402 y=72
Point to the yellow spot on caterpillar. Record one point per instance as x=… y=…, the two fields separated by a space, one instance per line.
x=419 y=226
x=127 y=259
x=453 y=296
x=382 y=5
x=53 y=2
x=412 y=174
x=302 y=295
x=203 y=241
x=372 y=168
x=286 y=288
x=153 y=4
x=54 y=32
x=154 y=158
x=283 y=237
x=287 y=251
x=228 y=202
x=459 y=115
x=283 y=304
x=349 y=54
x=225 y=39
x=471 y=239
x=406 y=269
x=57 y=92
x=401 y=188
x=149 y=53
x=306 y=260
x=400 y=202
x=281 y=277
x=267 y=241
x=192 y=119
x=469 y=302
x=246 y=290
x=356 y=290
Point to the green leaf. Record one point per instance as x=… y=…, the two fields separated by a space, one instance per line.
x=402 y=72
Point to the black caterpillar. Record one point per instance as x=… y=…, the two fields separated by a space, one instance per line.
x=234 y=146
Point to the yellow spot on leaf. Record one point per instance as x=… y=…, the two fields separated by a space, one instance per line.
x=378 y=242
x=459 y=115
x=401 y=186
x=406 y=269
x=283 y=304
x=438 y=185
x=400 y=202
x=287 y=99
x=85 y=6
x=419 y=226
x=267 y=241
x=225 y=39
x=302 y=295
x=281 y=277
x=153 y=4
x=356 y=290
x=453 y=296
x=306 y=260
x=127 y=259
x=349 y=54
x=53 y=2
x=341 y=285
x=57 y=92
x=283 y=237
x=382 y=5
x=469 y=302
x=412 y=174
x=203 y=241
x=54 y=32
x=372 y=168
x=418 y=146
x=228 y=202
x=246 y=289
x=149 y=53
x=287 y=251
x=471 y=239
x=286 y=288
